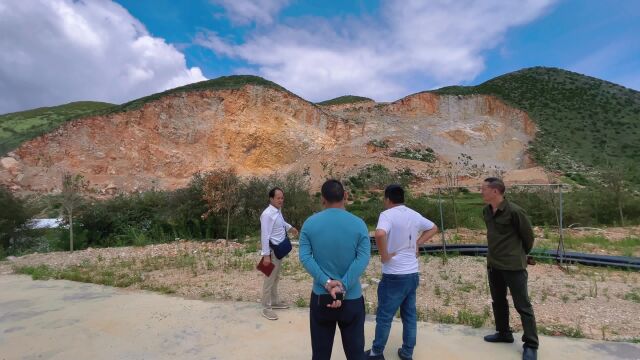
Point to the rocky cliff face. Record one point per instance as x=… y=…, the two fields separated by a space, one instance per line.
x=259 y=131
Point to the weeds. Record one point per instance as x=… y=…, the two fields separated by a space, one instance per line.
x=633 y=295
x=561 y=330
x=301 y=302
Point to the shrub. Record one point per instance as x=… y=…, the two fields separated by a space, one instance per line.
x=382 y=144
x=377 y=177
x=426 y=155
x=14 y=213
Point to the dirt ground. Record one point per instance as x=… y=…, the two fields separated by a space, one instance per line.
x=596 y=303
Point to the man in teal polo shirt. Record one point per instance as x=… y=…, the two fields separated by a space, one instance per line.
x=335 y=249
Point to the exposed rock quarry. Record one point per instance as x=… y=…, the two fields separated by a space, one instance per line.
x=260 y=130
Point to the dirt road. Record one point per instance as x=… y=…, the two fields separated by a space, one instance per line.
x=68 y=320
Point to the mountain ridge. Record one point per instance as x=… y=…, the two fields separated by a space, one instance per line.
x=245 y=120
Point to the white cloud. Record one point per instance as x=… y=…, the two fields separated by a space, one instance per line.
x=413 y=45
x=57 y=51
x=247 y=11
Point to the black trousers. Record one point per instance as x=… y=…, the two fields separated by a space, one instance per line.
x=516 y=281
x=349 y=318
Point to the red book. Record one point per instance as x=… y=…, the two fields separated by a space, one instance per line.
x=266 y=269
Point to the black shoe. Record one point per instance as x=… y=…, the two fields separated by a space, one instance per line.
x=505 y=337
x=368 y=356
x=403 y=356
x=529 y=353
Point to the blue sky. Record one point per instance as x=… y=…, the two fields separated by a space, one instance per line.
x=66 y=50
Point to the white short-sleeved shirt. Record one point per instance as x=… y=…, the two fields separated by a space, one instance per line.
x=403 y=227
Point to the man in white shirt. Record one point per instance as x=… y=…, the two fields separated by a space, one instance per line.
x=399 y=232
x=273 y=230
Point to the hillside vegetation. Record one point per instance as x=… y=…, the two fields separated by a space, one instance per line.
x=585 y=123
x=221 y=83
x=15 y=128
x=347 y=99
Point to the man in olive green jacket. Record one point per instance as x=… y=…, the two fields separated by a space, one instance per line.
x=510 y=239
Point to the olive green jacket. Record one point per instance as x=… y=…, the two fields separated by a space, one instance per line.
x=509 y=236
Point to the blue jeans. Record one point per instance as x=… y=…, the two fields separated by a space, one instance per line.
x=397 y=291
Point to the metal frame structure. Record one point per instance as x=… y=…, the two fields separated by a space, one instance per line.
x=560 y=251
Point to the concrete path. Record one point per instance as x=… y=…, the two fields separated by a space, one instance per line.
x=67 y=320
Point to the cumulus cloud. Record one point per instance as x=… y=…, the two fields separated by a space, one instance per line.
x=57 y=51
x=410 y=45
x=247 y=11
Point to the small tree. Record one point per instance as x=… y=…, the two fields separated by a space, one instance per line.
x=452 y=173
x=71 y=199
x=299 y=203
x=222 y=193
x=253 y=199
x=614 y=177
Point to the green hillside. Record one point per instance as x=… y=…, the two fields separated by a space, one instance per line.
x=583 y=121
x=347 y=99
x=18 y=127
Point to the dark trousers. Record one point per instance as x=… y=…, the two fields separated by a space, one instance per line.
x=349 y=317
x=516 y=281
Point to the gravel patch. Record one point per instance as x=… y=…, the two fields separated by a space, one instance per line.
x=596 y=303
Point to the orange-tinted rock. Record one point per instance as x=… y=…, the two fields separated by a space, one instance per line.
x=261 y=131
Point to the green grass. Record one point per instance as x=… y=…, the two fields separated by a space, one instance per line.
x=301 y=302
x=467 y=317
x=561 y=330
x=163 y=289
x=633 y=295
x=347 y=99
x=624 y=247
x=600 y=119
x=40 y=272
x=463 y=317
x=17 y=127
x=82 y=273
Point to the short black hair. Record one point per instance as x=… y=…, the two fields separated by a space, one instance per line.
x=395 y=193
x=272 y=192
x=332 y=191
x=495 y=183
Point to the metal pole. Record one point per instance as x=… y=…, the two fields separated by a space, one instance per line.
x=561 y=244
x=444 y=241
